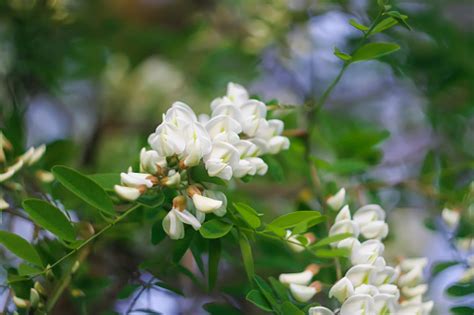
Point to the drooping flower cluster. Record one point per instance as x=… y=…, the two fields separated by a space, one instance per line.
x=370 y=286
x=228 y=144
x=28 y=158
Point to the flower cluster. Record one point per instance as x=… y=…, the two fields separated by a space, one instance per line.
x=28 y=158
x=370 y=286
x=228 y=144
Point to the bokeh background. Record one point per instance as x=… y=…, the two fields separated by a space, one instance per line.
x=92 y=78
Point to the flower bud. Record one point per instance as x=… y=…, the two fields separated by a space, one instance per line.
x=44 y=176
x=34 y=298
x=127 y=193
x=3 y=204
x=344 y=214
x=75 y=266
x=21 y=303
x=37 y=154
x=341 y=290
x=39 y=288
x=450 y=217
x=337 y=200
x=4 y=176
x=411 y=292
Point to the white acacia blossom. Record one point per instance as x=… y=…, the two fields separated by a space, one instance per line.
x=228 y=143
x=370 y=286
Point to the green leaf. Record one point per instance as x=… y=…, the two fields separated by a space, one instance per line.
x=341 y=55
x=257 y=299
x=461 y=289
x=441 y=266
x=168 y=287
x=127 y=290
x=106 y=180
x=462 y=310
x=214 y=257
x=331 y=253
x=25 y=269
x=182 y=245
x=280 y=290
x=331 y=239
x=247 y=256
x=20 y=247
x=199 y=174
x=374 y=50
x=274 y=168
x=157 y=232
x=342 y=166
x=215 y=228
x=50 y=218
x=152 y=200
x=266 y=291
x=292 y=219
x=358 y=26
x=84 y=188
x=289 y=308
x=401 y=18
x=248 y=214
x=384 y=25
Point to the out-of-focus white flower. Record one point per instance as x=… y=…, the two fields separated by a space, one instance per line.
x=374 y=230
x=464 y=243
x=44 y=176
x=277 y=144
x=451 y=217
x=173 y=222
x=415 y=308
x=391 y=289
x=320 y=310
x=167 y=140
x=360 y=274
x=369 y=213
x=358 y=304
x=408 y=264
x=350 y=243
x=385 y=304
x=467 y=275
x=411 y=292
x=7 y=175
x=411 y=278
x=344 y=214
x=4 y=144
x=3 y=204
x=150 y=161
x=303 y=293
x=342 y=289
x=367 y=252
x=37 y=154
x=295 y=243
x=17 y=166
x=344 y=226
x=302 y=278
x=337 y=200
x=127 y=193
x=221 y=160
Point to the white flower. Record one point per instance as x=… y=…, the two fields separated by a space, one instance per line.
x=3 y=204
x=411 y=292
x=228 y=109
x=358 y=304
x=384 y=276
x=391 y=289
x=360 y=274
x=127 y=193
x=150 y=161
x=450 y=217
x=205 y=204
x=374 y=230
x=411 y=263
x=16 y=167
x=236 y=94
x=303 y=293
x=302 y=278
x=367 y=252
x=137 y=180
x=198 y=144
x=224 y=128
x=350 y=243
x=320 y=310
x=411 y=278
x=4 y=144
x=218 y=195
x=173 y=222
x=366 y=289
x=167 y=140
x=32 y=155
x=260 y=166
x=7 y=175
x=180 y=115
x=384 y=304
x=254 y=123
x=344 y=226
x=221 y=160
x=172 y=180
x=369 y=213
x=337 y=200
x=344 y=214
x=416 y=308
x=342 y=289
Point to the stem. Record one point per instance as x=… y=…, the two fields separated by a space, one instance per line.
x=83 y=244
